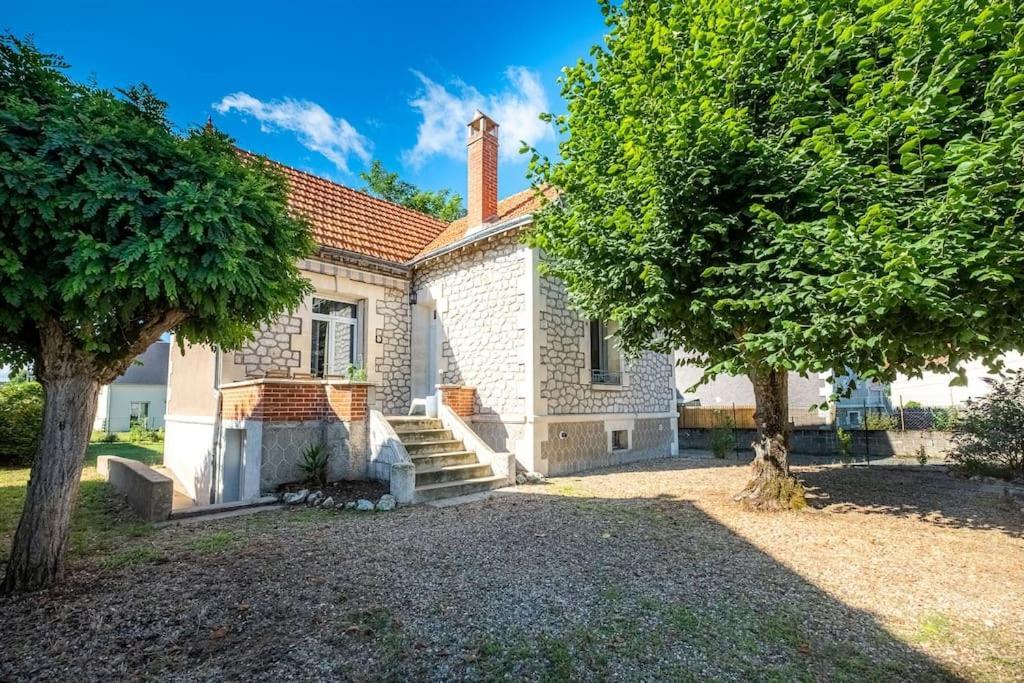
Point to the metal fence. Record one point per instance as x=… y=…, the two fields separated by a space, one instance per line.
x=847 y=415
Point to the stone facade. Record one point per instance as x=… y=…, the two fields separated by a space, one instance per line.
x=580 y=446
x=273 y=351
x=647 y=388
x=481 y=300
x=394 y=365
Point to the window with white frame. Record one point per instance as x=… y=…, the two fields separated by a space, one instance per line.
x=138 y=413
x=336 y=335
x=605 y=359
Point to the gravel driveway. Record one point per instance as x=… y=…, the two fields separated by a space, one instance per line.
x=638 y=573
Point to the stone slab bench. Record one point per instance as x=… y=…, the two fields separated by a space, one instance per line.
x=149 y=493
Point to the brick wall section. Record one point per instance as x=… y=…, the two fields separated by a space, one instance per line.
x=295 y=402
x=462 y=400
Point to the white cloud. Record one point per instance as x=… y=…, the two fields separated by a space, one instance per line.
x=335 y=138
x=446 y=111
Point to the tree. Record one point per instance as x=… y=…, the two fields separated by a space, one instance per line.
x=988 y=436
x=113 y=230
x=443 y=204
x=809 y=185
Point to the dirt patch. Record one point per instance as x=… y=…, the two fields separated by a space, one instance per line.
x=343 y=490
x=641 y=573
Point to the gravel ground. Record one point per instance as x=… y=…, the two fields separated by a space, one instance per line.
x=639 y=573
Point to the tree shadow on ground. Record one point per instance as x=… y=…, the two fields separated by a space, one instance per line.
x=928 y=495
x=528 y=586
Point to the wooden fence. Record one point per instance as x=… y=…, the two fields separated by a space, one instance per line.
x=705 y=417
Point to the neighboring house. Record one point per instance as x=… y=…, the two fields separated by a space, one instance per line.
x=932 y=390
x=454 y=320
x=5 y=374
x=139 y=395
x=854 y=405
x=806 y=394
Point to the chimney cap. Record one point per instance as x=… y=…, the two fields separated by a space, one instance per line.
x=489 y=124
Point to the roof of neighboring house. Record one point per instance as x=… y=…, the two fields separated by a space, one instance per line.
x=354 y=221
x=520 y=204
x=150 y=367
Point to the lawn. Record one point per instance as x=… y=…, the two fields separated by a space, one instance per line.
x=648 y=572
x=101 y=521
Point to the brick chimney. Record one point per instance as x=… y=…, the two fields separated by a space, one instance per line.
x=482 y=199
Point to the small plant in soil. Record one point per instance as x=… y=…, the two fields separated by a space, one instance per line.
x=314 y=464
x=922 y=456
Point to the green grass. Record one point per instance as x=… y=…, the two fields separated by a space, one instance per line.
x=102 y=523
x=140 y=554
x=214 y=542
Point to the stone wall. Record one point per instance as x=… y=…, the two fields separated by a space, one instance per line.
x=564 y=377
x=394 y=365
x=481 y=298
x=823 y=442
x=274 y=350
x=580 y=446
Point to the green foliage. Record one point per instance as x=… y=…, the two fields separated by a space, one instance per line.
x=355 y=373
x=100 y=436
x=723 y=438
x=879 y=421
x=114 y=227
x=912 y=404
x=805 y=185
x=443 y=204
x=140 y=433
x=844 y=442
x=989 y=435
x=922 y=456
x=314 y=464
x=21 y=421
x=944 y=419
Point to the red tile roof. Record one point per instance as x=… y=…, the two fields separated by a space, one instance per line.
x=343 y=218
x=519 y=204
x=354 y=221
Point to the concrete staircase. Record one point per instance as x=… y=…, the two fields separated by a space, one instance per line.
x=444 y=468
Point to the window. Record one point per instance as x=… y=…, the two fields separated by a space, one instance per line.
x=336 y=338
x=853 y=418
x=620 y=440
x=605 y=360
x=139 y=413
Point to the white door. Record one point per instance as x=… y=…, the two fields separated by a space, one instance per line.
x=231 y=466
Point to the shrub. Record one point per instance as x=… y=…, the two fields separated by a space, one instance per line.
x=723 y=438
x=880 y=421
x=912 y=404
x=944 y=419
x=922 y=456
x=21 y=421
x=100 y=436
x=988 y=435
x=140 y=433
x=314 y=464
x=844 y=443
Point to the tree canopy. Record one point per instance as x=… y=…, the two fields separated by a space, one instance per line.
x=807 y=185
x=443 y=204
x=112 y=224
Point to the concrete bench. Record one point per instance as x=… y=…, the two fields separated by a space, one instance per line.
x=148 y=492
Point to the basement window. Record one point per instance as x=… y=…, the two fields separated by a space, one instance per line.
x=620 y=440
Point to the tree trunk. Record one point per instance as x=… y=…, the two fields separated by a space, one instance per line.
x=771 y=487
x=71 y=393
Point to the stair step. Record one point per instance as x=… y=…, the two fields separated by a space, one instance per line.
x=425 y=435
x=450 y=489
x=474 y=470
x=433 y=461
x=428 y=447
x=413 y=422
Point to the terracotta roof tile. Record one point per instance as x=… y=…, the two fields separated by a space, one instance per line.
x=347 y=219
x=519 y=204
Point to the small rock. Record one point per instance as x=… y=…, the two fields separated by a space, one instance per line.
x=520 y=478
x=297 y=498
x=364 y=505
x=351 y=505
x=314 y=499
x=534 y=477
x=328 y=503
x=386 y=503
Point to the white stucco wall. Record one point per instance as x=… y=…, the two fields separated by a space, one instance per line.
x=113 y=410
x=932 y=389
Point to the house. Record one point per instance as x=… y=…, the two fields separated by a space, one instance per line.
x=433 y=356
x=933 y=390
x=137 y=396
x=806 y=394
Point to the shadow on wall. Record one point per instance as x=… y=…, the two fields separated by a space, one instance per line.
x=822 y=442
x=645 y=588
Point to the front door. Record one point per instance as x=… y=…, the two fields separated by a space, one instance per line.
x=425 y=353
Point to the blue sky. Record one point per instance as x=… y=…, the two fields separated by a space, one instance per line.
x=326 y=87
